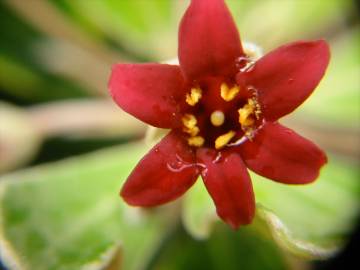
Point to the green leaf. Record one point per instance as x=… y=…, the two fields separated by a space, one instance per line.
x=131 y=24
x=271 y=225
x=31 y=85
x=288 y=20
x=313 y=220
x=225 y=249
x=68 y=215
x=22 y=76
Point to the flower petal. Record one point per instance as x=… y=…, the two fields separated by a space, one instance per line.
x=228 y=182
x=150 y=92
x=163 y=175
x=209 y=42
x=286 y=76
x=280 y=154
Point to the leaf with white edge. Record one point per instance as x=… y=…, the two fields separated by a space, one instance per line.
x=310 y=221
x=282 y=235
x=68 y=215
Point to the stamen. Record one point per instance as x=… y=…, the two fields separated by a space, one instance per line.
x=245 y=113
x=189 y=121
x=227 y=93
x=196 y=141
x=224 y=139
x=217 y=118
x=192 y=131
x=194 y=96
x=256 y=105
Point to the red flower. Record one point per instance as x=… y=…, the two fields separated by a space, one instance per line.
x=222 y=113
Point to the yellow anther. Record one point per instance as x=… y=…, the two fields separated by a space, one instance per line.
x=227 y=93
x=224 y=139
x=194 y=96
x=192 y=131
x=196 y=141
x=189 y=121
x=245 y=113
x=217 y=118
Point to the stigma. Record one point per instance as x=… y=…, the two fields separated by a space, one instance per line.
x=217 y=118
x=227 y=93
x=194 y=96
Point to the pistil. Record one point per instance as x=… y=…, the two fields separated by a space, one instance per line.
x=217 y=118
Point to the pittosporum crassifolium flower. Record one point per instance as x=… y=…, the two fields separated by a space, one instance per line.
x=223 y=112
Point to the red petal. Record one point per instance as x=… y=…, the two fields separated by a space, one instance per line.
x=286 y=76
x=163 y=175
x=282 y=155
x=228 y=182
x=209 y=42
x=150 y=92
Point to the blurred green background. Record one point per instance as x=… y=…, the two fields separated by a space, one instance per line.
x=65 y=148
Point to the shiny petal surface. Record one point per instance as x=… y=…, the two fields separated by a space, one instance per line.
x=209 y=42
x=163 y=175
x=150 y=92
x=228 y=182
x=280 y=154
x=285 y=77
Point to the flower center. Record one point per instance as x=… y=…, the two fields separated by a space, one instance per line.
x=220 y=114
